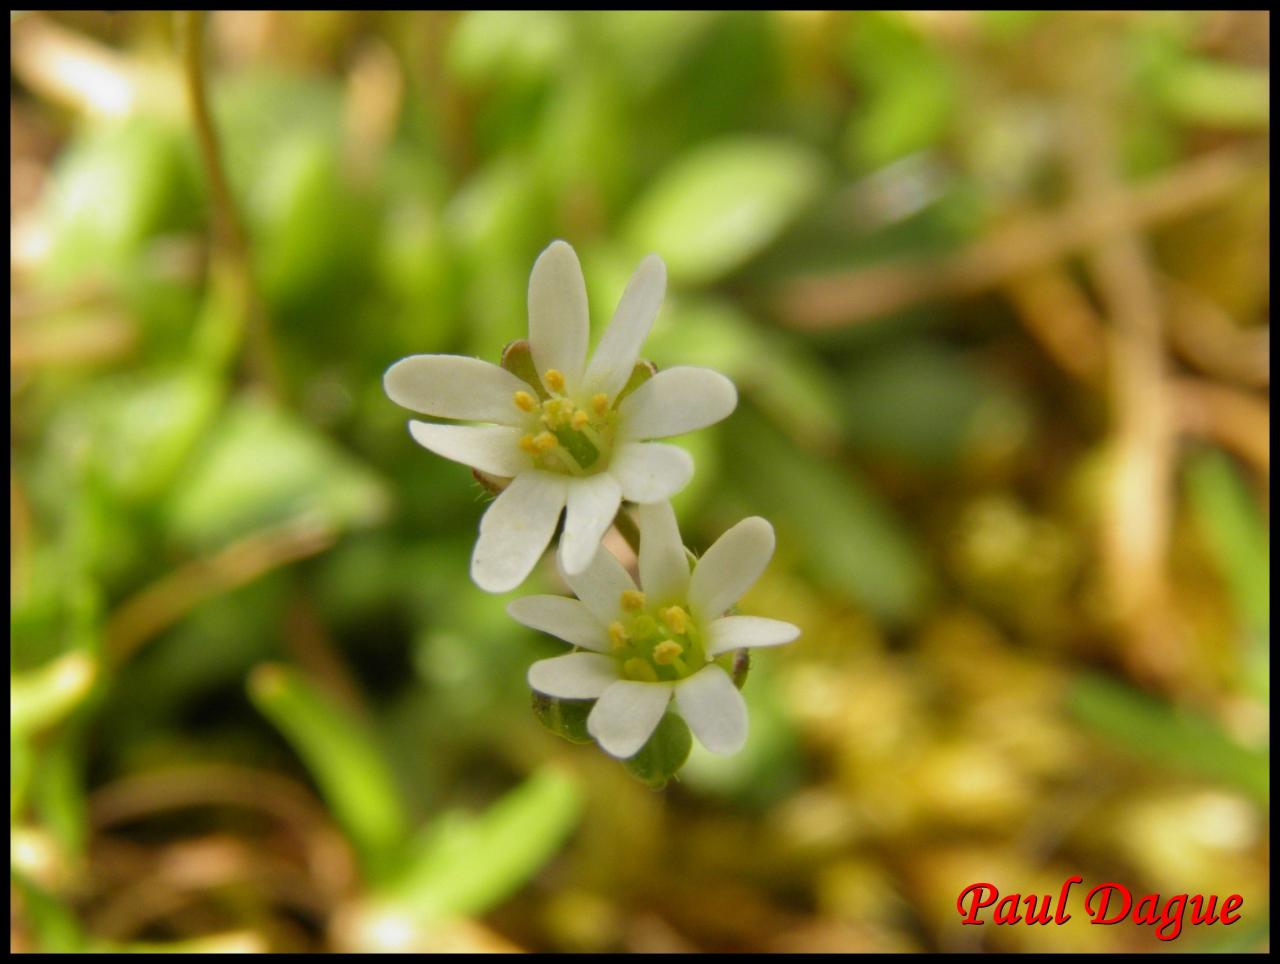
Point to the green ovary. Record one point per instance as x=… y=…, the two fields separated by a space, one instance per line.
x=568 y=436
x=662 y=644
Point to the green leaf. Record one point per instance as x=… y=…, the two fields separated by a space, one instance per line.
x=849 y=540
x=721 y=204
x=1167 y=736
x=463 y=865
x=42 y=697
x=343 y=757
x=663 y=754
x=262 y=467
x=1237 y=537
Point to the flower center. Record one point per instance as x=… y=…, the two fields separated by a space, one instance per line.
x=566 y=435
x=655 y=644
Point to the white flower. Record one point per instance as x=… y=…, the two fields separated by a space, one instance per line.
x=646 y=647
x=568 y=439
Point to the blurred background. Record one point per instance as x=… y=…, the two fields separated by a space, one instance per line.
x=994 y=288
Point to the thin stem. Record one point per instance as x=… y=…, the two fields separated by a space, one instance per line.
x=229 y=233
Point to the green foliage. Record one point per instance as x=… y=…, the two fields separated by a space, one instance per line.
x=1166 y=736
x=721 y=204
x=262 y=467
x=464 y=864
x=343 y=758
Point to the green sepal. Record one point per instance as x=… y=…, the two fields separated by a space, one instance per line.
x=643 y=371
x=517 y=358
x=664 y=753
x=564 y=718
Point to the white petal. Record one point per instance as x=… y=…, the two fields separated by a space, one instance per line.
x=619 y=348
x=714 y=710
x=454 y=386
x=516 y=529
x=651 y=471
x=745 y=632
x=576 y=676
x=600 y=585
x=675 y=401
x=730 y=567
x=490 y=448
x=562 y=617
x=593 y=502
x=558 y=322
x=664 y=567
x=626 y=714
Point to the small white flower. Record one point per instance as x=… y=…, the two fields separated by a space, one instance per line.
x=646 y=647
x=568 y=440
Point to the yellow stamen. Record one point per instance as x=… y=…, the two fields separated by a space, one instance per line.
x=640 y=670
x=666 y=652
x=579 y=420
x=524 y=401
x=527 y=444
x=677 y=619
x=600 y=403
x=632 y=601
x=617 y=635
x=554 y=380
x=545 y=442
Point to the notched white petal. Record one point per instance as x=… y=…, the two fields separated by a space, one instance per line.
x=592 y=504
x=490 y=448
x=626 y=715
x=562 y=617
x=651 y=471
x=714 y=710
x=558 y=321
x=455 y=386
x=619 y=348
x=600 y=585
x=747 y=632
x=676 y=401
x=730 y=567
x=515 y=530
x=575 y=676
x=664 y=567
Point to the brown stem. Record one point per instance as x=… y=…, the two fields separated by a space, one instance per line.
x=845 y=298
x=229 y=230
x=167 y=600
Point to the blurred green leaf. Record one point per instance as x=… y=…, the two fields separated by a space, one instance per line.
x=717 y=206
x=1168 y=737
x=42 y=697
x=1216 y=94
x=1237 y=536
x=463 y=865
x=342 y=756
x=849 y=541
x=909 y=91
x=114 y=188
x=261 y=467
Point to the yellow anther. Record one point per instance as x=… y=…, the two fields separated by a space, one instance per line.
x=579 y=420
x=524 y=401
x=632 y=600
x=554 y=380
x=528 y=445
x=545 y=442
x=617 y=635
x=666 y=652
x=677 y=619
x=640 y=670
x=600 y=403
